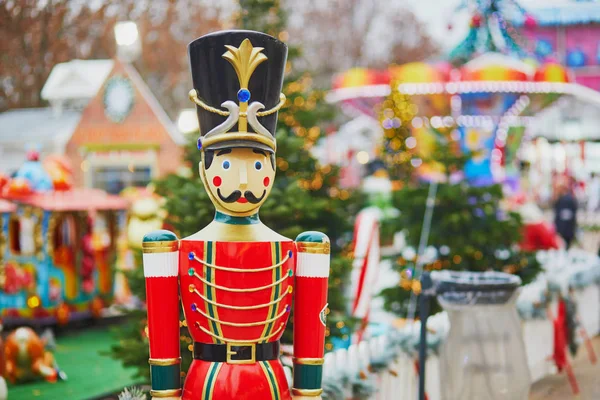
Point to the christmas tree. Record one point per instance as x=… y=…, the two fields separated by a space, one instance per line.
x=304 y=195
x=491 y=31
x=470 y=230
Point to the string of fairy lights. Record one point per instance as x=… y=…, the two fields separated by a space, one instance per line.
x=397 y=148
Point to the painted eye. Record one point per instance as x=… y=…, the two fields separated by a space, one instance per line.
x=258 y=165
x=226 y=164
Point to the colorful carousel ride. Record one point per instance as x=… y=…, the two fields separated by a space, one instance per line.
x=490 y=101
x=57 y=245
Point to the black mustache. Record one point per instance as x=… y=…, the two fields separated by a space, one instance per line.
x=232 y=198
x=237 y=194
x=252 y=198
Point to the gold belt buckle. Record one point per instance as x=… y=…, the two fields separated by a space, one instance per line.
x=231 y=352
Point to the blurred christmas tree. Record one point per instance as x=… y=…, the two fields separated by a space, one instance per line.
x=304 y=195
x=470 y=231
x=491 y=31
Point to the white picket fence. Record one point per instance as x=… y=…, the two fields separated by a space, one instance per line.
x=400 y=380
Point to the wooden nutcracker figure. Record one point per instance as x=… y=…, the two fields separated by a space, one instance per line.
x=236 y=277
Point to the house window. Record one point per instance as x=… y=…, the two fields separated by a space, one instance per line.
x=114 y=179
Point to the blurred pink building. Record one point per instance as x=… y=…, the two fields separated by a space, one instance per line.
x=567 y=31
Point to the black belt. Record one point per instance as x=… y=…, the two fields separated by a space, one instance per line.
x=236 y=353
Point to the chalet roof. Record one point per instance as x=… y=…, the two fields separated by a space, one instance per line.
x=82 y=79
x=561 y=12
x=76 y=79
x=36 y=126
x=155 y=106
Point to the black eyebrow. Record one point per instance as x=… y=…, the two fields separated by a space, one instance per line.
x=224 y=151
x=257 y=151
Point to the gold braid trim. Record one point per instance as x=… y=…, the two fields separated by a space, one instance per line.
x=314 y=248
x=193 y=95
x=309 y=361
x=281 y=314
x=241 y=307
x=228 y=289
x=226 y=340
x=164 y=361
x=160 y=247
x=307 y=392
x=165 y=393
x=217 y=267
x=274 y=109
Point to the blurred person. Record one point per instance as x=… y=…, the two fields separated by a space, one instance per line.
x=565 y=212
x=593 y=193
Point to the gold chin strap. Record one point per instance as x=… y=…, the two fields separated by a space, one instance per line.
x=193 y=95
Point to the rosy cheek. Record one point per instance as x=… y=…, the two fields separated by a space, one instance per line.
x=266 y=181
x=217 y=181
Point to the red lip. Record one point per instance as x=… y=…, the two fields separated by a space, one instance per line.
x=242 y=200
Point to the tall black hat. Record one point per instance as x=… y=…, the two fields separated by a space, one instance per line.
x=237 y=78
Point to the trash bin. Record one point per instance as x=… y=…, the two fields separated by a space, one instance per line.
x=483 y=356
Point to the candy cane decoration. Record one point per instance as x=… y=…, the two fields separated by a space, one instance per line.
x=365 y=265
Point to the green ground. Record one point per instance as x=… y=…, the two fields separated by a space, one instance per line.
x=90 y=375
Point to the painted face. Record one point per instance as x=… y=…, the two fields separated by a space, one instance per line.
x=239 y=179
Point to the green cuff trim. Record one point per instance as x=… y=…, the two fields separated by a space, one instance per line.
x=164 y=377
x=159 y=236
x=312 y=237
x=307 y=376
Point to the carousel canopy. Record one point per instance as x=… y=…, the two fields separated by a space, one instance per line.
x=75 y=200
x=496 y=67
x=491 y=74
x=552 y=72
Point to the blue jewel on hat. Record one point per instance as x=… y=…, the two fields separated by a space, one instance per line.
x=287 y=308
x=243 y=95
x=191 y=255
x=194 y=307
x=290 y=254
x=199 y=144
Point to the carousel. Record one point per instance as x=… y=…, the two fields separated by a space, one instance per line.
x=489 y=102
x=58 y=245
